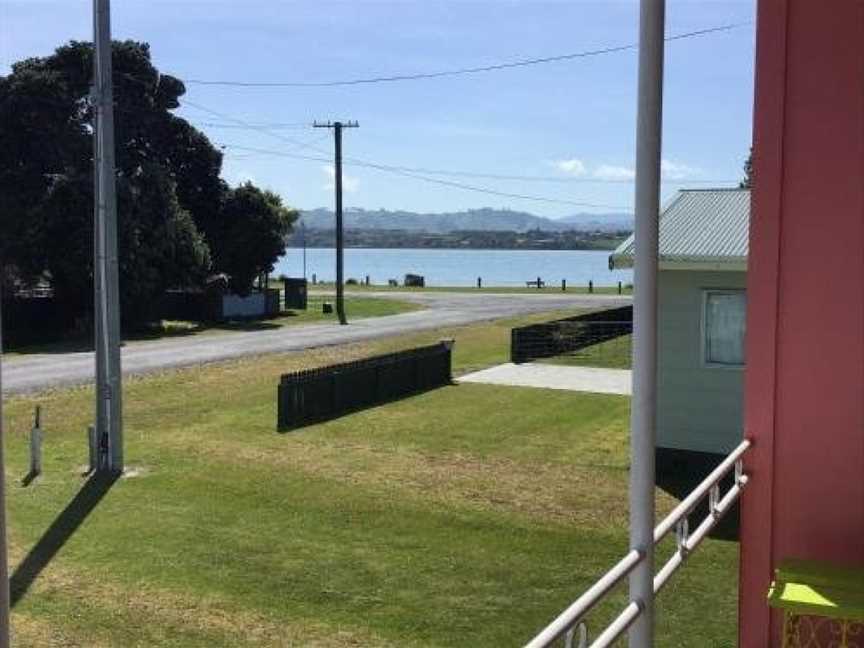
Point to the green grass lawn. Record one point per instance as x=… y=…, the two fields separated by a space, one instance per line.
x=466 y=516
x=611 y=354
x=356 y=307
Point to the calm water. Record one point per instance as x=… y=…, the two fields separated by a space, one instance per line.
x=458 y=267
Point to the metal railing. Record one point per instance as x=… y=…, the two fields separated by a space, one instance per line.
x=570 y=624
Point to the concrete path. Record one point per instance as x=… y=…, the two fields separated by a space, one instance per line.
x=548 y=376
x=37 y=371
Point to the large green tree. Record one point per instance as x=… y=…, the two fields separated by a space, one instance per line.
x=747 y=181
x=173 y=207
x=252 y=231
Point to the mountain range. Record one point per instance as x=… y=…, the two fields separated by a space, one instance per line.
x=485 y=219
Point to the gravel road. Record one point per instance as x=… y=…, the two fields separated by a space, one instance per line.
x=37 y=371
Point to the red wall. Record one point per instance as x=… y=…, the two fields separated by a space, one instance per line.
x=804 y=386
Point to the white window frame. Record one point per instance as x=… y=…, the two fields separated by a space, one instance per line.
x=703 y=330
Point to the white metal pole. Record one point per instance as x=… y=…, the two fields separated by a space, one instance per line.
x=107 y=284
x=4 y=566
x=649 y=126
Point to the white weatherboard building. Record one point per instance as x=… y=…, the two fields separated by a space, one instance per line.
x=703 y=245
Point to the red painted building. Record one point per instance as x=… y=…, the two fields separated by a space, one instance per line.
x=804 y=385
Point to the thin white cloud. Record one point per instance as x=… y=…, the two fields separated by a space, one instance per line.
x=350 y=184
x=612 y=172
x=669 y=170
x=572 y=166
x=675 y=171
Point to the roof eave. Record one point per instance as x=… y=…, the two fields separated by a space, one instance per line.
x=722 y=264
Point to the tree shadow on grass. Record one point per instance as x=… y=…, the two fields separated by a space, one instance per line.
x=61 y=529
x=245 y=325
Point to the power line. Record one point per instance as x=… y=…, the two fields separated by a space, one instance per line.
x=270 y=125
x=396 y=170
x=496 y=176
x=415 y=176
x=296 y=143
x=460 y=71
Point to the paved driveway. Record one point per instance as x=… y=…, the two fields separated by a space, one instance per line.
x=37 y=371
x=547 y=376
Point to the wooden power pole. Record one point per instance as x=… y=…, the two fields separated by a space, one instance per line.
x=337 y=139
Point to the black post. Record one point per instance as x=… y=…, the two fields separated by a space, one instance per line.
x=337 y=138
x=538 y=283
x=479 y=282
x=619 y=287
x=303 y=230
x=340 y=299
x=590 y=286
x=563 y=285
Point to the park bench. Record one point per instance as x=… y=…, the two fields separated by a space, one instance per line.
x=820 y=603
x=537 y=283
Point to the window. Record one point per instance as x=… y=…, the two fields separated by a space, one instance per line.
x=724 y=324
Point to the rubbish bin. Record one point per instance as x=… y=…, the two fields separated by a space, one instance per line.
x=295 y=293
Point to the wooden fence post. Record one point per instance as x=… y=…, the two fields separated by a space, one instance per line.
x=93 y=448
x=36 y=444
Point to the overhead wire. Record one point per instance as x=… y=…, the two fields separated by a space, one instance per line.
x=460 y=71
x=496 y=176
x=420 y=173
x=439 y=181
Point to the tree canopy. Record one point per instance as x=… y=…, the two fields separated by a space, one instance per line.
x=177 y=219
x=747 y=181
x=253 y=230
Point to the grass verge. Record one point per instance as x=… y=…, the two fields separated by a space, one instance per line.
x=466 y=516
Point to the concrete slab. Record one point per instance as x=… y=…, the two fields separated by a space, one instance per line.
x=548 y=376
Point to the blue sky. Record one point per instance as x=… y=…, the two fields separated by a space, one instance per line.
x=572 y=119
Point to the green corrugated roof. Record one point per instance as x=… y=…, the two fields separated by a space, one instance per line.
x=700 y=227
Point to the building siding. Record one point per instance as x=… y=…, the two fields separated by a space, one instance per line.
x=699 y=407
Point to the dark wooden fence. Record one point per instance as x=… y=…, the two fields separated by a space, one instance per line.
x=189 y=305
x=30 y=320
x=316 y=395
x=202 y=306
x=570 y=334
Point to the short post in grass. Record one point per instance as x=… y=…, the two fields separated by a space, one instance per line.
x=619 y=288
x=590 y=286
x=563 y=285
x=93 y=448
x=538 y=283
x=367 y=281
x=36 y=443
x=102 y=453
x=314 y=279
x=479 y=282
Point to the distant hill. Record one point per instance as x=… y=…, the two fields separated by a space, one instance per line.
x=601 y=222
x=478 y=220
